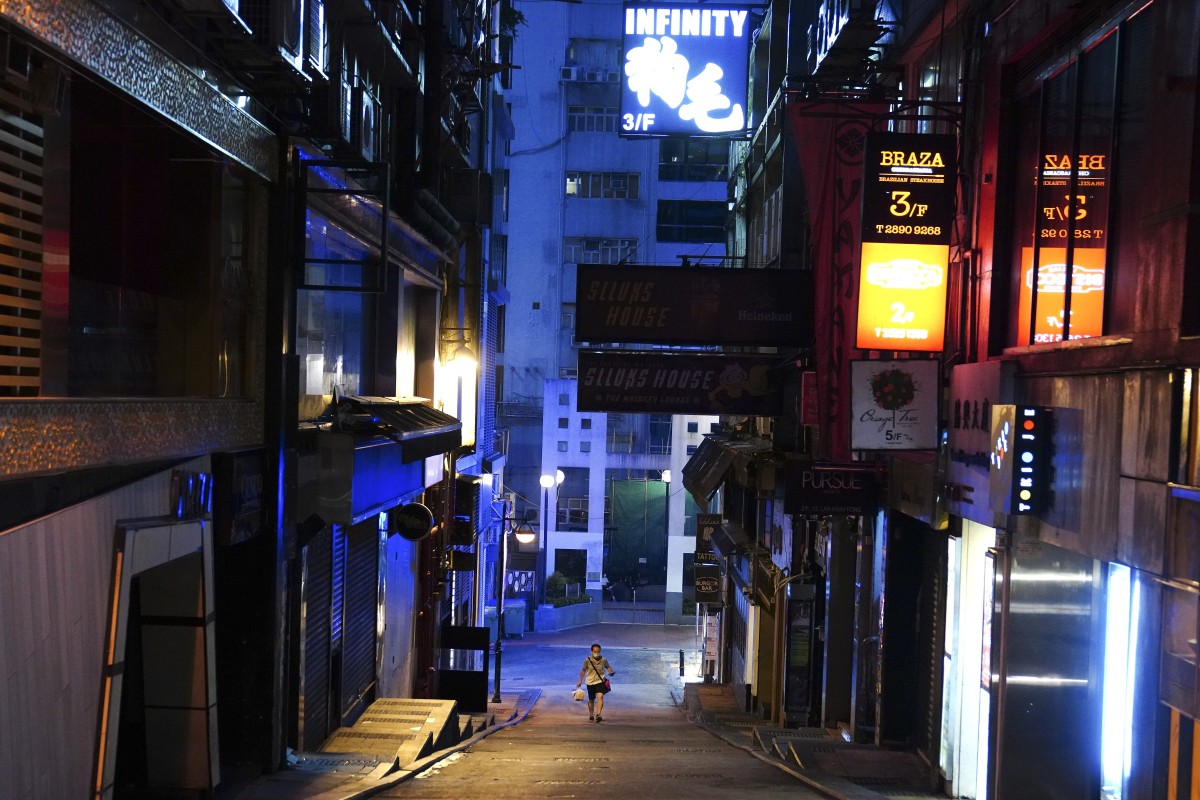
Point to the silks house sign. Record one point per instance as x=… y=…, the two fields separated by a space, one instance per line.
x=907 y=218
x=685 y=69
x=826 y=488
x=693 y=305
x=677 y=383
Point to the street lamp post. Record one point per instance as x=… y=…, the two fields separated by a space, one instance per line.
x=666 y=479
x=524 y=535
x=547 y=482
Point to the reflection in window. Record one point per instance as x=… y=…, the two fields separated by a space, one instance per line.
x=332 y=326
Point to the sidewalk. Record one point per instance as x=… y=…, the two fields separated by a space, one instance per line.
x=818 y=757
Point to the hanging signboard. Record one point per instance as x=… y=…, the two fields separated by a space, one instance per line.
x=908 y=216
x=705 y=525
x=693 y=305
x=820 y=489
x=707 y=583
x=894 y=405
x=677 y=383
x=685 y=69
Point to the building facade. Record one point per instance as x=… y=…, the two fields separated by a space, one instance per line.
x=245 y=261
x=615 y=201
x=1028 y=635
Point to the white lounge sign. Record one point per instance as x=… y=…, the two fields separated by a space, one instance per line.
x=685 y=70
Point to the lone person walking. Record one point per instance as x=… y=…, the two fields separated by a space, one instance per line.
x=593 y=670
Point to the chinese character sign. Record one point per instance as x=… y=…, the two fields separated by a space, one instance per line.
x=685 y=70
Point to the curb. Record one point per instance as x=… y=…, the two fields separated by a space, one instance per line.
x=417 y=767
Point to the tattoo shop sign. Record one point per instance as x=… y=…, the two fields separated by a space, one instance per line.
x=685 y=69
x=894 y=405
x=674 y=383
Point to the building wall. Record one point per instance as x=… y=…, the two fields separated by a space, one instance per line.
x=56 y=592
x=539 y=344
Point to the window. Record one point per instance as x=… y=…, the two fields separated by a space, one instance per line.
x=691 y=221
x=585 y=447
x=693 y=427
x=562 y=422
x=660 y=433
x=591 y=119
x=582 y=250
x=594 y=54
x=603 y=185
x=1075 y=229
x=567 y=322
x=693 y=160
x=713 y=427
x=691 y=448
x=564 y=399
x=562 y=447
x=586 y=423
x=500 y=187
x=572 y=513
x=500 y=318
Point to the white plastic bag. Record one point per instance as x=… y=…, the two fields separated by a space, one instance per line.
x=578 y=695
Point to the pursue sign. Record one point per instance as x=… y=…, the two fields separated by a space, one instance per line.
x=819 y=489
x=685 y=69
x=693 y=305
x=908 y=215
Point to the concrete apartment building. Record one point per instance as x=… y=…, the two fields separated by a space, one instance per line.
x=620 y=200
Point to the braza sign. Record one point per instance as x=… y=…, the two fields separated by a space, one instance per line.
x=685 y=70
x=908 y=214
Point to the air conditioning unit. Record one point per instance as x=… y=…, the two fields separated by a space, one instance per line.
x=209 y=7
x=617 y=182
x=594 y=75
x=614 y=76
x=369 y=126
x=277 y=25
x=567 y=74
x=316 y=39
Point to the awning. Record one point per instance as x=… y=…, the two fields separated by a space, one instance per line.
x=715 y=456
x=421 y=431
x=729 y=538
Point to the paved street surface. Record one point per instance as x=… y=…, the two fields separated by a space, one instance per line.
x=645 y=748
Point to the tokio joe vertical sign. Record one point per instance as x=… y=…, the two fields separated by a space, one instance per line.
x=907 y=217
x=685 y=69
x=1020 y=458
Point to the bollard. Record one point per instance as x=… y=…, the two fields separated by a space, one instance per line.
x=681 y=663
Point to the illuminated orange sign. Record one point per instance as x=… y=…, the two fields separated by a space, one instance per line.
x=1087 y=294
x=908 y=215
x=902 y=297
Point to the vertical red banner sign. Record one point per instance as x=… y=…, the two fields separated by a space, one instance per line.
x=830 y=141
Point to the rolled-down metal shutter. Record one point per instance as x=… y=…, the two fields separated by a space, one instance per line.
x=358 y=631
x=314 y=692
x=930 y=646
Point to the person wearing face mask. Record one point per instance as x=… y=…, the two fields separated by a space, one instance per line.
x=594 y=667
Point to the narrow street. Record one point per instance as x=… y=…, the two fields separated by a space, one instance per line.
x=646 y=747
